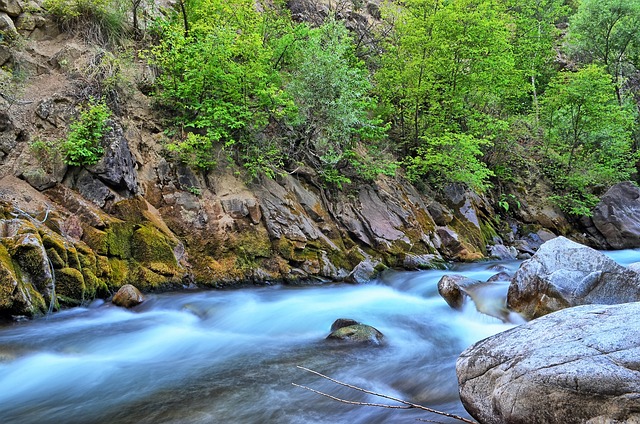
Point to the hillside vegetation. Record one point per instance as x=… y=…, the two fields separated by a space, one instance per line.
x=473 y=92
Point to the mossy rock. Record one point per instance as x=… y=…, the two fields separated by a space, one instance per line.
x=211 y=272
x=29 y=253
x=119 y=235
x=31 y=258
x=148 y=280
x=73 y=258
x=28 y=301
x=150 y=247
x=70 y=284
x=118 y=273
x=97 y=240
x=8 y=279
x=95 y=287
x=55 y=258
x=86 y=257
x=103 y=269
x=55 y=242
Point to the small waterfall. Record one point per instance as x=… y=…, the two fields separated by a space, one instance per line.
x=52 y=299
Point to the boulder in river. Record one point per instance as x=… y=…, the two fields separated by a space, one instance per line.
x=617 y=216
x=578 y=365
x=563 y=273
x=349 y=330
x=488 y=297
x=128 y=296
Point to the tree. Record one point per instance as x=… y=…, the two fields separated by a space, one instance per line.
x=448 y=74
x=605 y=32
x=534 y=41
x=330 y=88
x=216 y=76
x=588 y=145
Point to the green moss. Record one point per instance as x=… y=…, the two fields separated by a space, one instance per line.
x=53 y=241
x=95 y=287
x=150 y=247
x=103 y=269
x=70 y=284
x=97 y=240
x=73 y=258
x=118 y=274
x=55 y=258
x=8 y=279
x=29 y=254
x=86 y=257
x=119 y=235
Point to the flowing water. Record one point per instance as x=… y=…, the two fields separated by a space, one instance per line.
x=232 y=356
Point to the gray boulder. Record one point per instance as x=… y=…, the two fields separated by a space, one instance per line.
x=563 y=273
x=579 y=365
x=617 y=216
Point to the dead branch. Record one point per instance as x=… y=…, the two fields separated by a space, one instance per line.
x=404 y=404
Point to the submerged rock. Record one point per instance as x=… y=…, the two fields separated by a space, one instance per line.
x=579 y=365
x=563 y=274
x=128 y=296
x=349 y=330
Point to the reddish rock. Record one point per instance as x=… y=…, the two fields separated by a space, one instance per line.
x=128 y=296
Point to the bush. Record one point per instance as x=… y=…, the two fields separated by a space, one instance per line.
x=83 y=144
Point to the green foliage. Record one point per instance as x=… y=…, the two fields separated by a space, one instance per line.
x=195 y=150
x=217 y=79
x=99 y=21
x=83 y=144
x=588 y=144
x=508 y=201
x=330 y=88
x=451 y=157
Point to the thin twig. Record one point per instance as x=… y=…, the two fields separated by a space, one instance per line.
x=408 y=405
x=353 y=402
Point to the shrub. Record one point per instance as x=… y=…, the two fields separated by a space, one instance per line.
x=83 y=144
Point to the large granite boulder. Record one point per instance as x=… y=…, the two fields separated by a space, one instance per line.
x=563 y=273
x=578 y=365
x=617 y=216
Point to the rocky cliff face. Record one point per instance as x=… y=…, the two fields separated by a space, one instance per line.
x=69 y=234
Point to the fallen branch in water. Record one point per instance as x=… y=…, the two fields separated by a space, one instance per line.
x=404 y=404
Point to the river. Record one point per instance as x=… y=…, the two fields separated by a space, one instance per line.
x=232 y=356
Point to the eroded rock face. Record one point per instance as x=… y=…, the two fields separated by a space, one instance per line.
x=563 y=273
x=579 y=365
x=127 y=296
x=617 y=216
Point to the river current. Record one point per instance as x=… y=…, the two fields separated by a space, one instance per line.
x=232 y=356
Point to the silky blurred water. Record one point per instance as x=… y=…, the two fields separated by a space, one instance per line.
x=231 y=356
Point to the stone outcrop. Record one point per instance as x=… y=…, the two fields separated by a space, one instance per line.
x=617 y=216
x=579 y=365
x=563 y=273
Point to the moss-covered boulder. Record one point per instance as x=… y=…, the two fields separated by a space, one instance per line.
x=70 y=286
